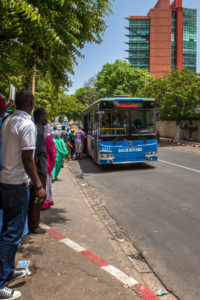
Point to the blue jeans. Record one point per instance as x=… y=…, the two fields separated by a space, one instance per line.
x=14 y=200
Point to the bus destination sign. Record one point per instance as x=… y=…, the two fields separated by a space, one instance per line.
x=104 y=105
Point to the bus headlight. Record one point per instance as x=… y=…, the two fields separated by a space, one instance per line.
x=106 y=156
x=151 y=153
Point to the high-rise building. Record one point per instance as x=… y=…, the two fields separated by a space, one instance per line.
x=165 y=38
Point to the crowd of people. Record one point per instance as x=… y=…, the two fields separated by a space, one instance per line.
x=31 y=157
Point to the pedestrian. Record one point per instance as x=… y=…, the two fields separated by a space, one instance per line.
x=51 y=161
x=72 y=142
x=54 y=132
x=61 y=152
x=79 y=142
x=3 y=109
x=18 y=167
x=41 y=119
x=68 y=145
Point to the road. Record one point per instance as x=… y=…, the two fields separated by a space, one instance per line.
x=158 y=205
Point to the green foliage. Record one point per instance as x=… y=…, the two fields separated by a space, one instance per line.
x=177 y=94
x=48 y=34
x=56 y=102
x=184 y=125
x=180 y=94
x=120 y=78
x=87 y=95
x=192 y=127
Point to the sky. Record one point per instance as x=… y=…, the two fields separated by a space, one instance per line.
x=114 y=41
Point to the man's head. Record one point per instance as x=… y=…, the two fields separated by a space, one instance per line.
x=25 y=101
x=41 y=116
x=3 y=107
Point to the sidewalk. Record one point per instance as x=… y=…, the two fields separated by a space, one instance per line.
x=60 y=272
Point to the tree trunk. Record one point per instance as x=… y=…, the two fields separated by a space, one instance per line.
x=177 y=136
x=33 y=80
x=190 y=130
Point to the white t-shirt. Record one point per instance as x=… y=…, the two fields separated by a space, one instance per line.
x=18 y=133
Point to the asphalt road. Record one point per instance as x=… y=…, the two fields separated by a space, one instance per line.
x=158 y=205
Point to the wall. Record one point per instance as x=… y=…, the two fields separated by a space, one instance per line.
x=160 y=41
x=168 y=129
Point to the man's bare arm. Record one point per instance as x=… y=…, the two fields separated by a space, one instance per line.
x=30 y=168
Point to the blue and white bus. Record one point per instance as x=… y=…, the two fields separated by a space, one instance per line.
x=121 y=130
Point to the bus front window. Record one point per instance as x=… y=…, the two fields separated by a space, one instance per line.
x=143 y=121
x=114 y=123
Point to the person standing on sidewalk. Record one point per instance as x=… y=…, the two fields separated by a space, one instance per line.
x=51 y=161
x=41 y=119
x=3 y=109
x=18 y=167
x=79 y=136
x=61 y=152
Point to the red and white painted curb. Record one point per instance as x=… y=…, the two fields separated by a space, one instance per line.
x=183 y=144
x=140 y=289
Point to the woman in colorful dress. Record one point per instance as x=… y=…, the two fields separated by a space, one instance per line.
x=51 y=161
x=61 y=152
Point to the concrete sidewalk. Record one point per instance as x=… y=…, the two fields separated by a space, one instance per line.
x=58 y=271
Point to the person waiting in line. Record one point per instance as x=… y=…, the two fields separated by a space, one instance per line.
x=51 y=161
x=61 y=152
x=72 y=142
x=18 y=168
x=80 y=134
x=41 y=119
x=68 y=145
x=3 y=109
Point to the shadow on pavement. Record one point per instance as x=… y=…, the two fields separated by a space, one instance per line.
x=27 y=247
x=54 y=216
x=88 y=166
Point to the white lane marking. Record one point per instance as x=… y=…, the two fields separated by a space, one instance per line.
x=72 y=245
x=175 y=165
x=121 y=276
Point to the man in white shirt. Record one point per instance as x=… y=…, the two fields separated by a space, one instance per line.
x=18 y=168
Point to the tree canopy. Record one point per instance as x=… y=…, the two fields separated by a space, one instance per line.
x=48 y=35
x=177 y=94
x=120 y=78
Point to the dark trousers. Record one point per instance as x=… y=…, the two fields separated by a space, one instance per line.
x=14 y=201
x=35 y=208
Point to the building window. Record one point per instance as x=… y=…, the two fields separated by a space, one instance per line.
x=139 y=43
x=190 y=38
x=173 y=40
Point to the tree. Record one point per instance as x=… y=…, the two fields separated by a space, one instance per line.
x=87 y=95
x=119 y=78
x=56 y=102
x=177 y=94
x=154 y=88
x=48 y=35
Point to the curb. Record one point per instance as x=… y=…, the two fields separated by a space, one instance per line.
x=130 y=282
x=180 y=143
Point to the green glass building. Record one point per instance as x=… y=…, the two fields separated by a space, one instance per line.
x=190 y=38
x=164 y=39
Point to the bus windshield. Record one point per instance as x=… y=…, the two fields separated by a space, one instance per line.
x=127 y=122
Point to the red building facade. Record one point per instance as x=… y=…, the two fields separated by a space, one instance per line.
x=156 y=40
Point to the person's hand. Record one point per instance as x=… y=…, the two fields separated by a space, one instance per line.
x=40 y=195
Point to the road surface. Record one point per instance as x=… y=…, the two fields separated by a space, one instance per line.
x=158 y=205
